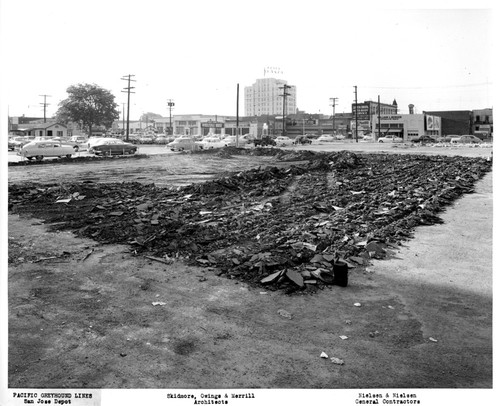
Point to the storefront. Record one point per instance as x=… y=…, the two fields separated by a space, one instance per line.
x=406 y=126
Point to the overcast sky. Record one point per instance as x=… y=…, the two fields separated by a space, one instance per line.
x=196 y=52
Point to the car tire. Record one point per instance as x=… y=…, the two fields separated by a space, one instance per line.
x=39 y=157
x=68 y=156
x=76 y=148
x=29 y=158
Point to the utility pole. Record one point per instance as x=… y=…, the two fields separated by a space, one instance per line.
x=170 y=105
x=237 y=114
x=128 y=88
x=44 y=104
x=356 y=110
x=284 y=95
x=334 y=102
x=123 y=118
x=378 y=108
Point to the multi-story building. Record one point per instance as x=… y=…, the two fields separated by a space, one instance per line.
x=265 y=97
x=362 y=113
x=482 y=124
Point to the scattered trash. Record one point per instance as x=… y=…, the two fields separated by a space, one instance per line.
x=323 y=355
x=63 y=200
x=357 y=304
x=122 y=354
x=158 y=303
x=343 y=337
x=284 y=313
x=373 y=334
x=163 y=261
x=349 y=322
x=390 y=307
x=337 y=361
x=433 y=340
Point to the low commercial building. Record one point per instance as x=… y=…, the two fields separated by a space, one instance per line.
x=406 y=126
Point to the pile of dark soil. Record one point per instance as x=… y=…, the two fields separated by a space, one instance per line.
x=288 y=227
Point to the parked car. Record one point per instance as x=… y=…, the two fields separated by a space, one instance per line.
x=466 y=139
x=211 y=142
x=339 y=137
x=326 y=138
x=368 y=137
x=390 y=139
x=45 y=148
x=146 y=139
x=162 y=139
x=230 y=141
x=78 y=142
x=112 y=146
x=283 y=141
x=302 y=139
x=246 y=139
x=424 y=139
x=264 y=141
x=184 y=143
x=17 y=142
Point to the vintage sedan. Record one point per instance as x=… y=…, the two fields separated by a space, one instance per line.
x=466 y=139
x=45 y=148
x=184 y=143
x=283 y=141
x=326 y=138
x=390 y=139
x=212 y=142
x=112 y=146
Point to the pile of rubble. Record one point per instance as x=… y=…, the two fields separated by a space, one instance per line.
x=297 y=227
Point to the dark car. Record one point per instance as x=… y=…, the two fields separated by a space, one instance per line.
x=111 y=146
x=302 y=139
x=423 y=139
x=264 y=142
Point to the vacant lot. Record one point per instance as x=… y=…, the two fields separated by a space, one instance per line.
x=86 y=312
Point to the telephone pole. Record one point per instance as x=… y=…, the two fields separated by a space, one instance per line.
x=356 y=109
x=378 y=108
x=128 y=88
x=170 y=105
x=123 y=118
x=284 y=95
x=334 y=102
x=44 y=104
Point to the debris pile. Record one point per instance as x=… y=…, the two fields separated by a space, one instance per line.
x=294 y=228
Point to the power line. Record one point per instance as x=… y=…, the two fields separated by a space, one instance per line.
x=128 y=88
x=44 y=104
x=284 y=95
x=334 y=102
x=170 y=105
x=429 y=87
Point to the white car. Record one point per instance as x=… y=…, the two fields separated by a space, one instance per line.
x=326 y=138
x=211 y=142
x=45 y=148
x=283 y=141
x=390 y=139
x=230 y=141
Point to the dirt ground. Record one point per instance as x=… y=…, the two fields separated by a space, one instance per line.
x=84 y=315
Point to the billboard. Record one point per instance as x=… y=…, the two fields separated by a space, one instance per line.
x=432 y=123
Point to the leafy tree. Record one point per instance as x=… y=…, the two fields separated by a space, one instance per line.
x=89 y=105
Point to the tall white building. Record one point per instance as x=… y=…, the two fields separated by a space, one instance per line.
x=265 y=96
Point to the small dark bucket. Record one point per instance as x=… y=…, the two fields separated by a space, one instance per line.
x=340 y=274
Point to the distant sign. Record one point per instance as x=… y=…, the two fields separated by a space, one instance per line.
x=361 y=110
x=212 y=125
